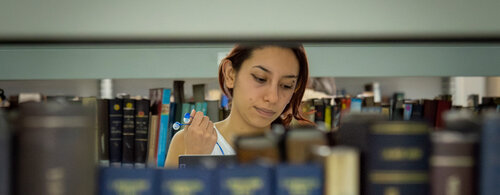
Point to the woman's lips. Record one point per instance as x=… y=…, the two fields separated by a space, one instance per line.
x=265 y=112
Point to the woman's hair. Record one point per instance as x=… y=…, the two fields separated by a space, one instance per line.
x=242 y=52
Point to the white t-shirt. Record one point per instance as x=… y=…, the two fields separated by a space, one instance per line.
x=222 y=147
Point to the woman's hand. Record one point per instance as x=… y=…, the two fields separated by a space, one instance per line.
x=200 y=136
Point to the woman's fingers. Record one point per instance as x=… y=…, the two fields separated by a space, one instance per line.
x=197 y=119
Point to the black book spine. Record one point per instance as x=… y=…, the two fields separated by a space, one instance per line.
x=115 y=131
x=128 y=132
x=141 y=131
x=103 y=131
x=4 y=155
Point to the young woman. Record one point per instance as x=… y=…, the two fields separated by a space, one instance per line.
x=265 y=84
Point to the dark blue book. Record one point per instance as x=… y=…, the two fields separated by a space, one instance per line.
x=299 y=179
x=244 y=180
x=115 y=131
x=397 y=161
x=128 y=135
x=117 y=181
x=185 y=181
x=490 y=157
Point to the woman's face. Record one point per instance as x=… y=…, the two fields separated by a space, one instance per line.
x=265 y=84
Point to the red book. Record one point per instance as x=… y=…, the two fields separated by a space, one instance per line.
x=442 y=106
x=430 y=110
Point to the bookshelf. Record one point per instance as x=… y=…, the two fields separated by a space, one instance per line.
x=134 y=61
x=220 y=20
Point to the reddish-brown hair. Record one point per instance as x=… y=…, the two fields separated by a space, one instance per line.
x=242 y=52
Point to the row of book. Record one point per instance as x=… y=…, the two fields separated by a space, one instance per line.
x=328 y=112
x=368 y=155
x=136 y=131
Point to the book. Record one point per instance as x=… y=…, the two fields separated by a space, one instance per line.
x=178 y=99
x=319 y=116
x=115 y=131
x=199 y=92
x=162 y=134
x=299 y=179
x=342 y=171
x=91 y=104
x=126 y=181
x=397 y=161
x=453 y=163
x=356 y=104
x=54 y=150
x=299 y=143
x=5 y=155
x=185 y=181
x=128 y=135
x=257 y=149
x=244 y=180
x=153 y=128
x=103 y=131
x=430 y=111
x=155 y=96
x=397 y=109
x=355 y=132
x=489 y=163
x=408 y=109
x=213 y=110
x=442 y=106
x=141 y=132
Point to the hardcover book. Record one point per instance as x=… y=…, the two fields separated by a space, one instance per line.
x=117 y=181
x=299 y=179
x=115 y=131
x=128 y=135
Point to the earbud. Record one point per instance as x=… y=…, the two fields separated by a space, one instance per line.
x=177 y=125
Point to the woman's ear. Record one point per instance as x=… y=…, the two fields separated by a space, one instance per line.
x=229 y=73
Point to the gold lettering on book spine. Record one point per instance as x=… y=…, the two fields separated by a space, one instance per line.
x=130 y=186
x=183 y=187
x=402 y=154
x=300 y=186
x=244 y=186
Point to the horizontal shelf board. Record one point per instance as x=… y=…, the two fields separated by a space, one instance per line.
x=200 y=61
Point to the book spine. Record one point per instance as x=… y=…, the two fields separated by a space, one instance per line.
x=5 y=155
x=115 y=131
x=54 y=150
x=186 y=181
x=244 y=180
x=152 y=162
x=103 y=131
x=213 y=110
x=490 y=157
x=91 y=104
x=319 y=115
x=128 y=134
x=356 y=104
x=453 y=163
x=407 y=112
x=328 y=117
x=299 y=179
x=126 y=181
x=141 y=132
x=398 y=158
x=430 y=109
x=442 y=106
x=342 y=171
x=163 y=128
x=178 y=99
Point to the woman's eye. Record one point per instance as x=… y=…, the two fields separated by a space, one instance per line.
x=258 y=79
x=287 y=86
